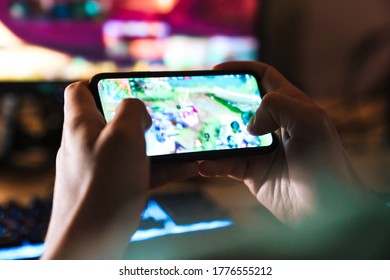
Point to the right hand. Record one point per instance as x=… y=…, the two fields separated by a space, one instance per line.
x=309 y=168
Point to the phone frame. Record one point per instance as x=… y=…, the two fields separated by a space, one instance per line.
x=187 y=156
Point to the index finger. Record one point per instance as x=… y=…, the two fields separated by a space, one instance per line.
x=79 y=101
x=81 y=114
x=271 y=79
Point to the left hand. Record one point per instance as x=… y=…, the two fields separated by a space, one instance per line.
x=102 y=178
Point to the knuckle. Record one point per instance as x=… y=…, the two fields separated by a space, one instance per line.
x=82 y=121
x=319 y=115
x=270 y=97
x=72 y=88
x=120 y=134
x=318 y=121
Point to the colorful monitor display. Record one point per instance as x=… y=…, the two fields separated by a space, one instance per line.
x=69 y=40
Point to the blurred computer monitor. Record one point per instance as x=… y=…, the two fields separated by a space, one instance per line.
x=71 y=40
x=45 y=45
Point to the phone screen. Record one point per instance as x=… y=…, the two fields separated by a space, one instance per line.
x=190 y=113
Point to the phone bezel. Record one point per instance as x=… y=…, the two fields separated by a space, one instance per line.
x=188 y=156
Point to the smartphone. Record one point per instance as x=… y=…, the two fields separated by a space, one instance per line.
x=196 y=115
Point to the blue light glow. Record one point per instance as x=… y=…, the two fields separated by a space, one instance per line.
x=92 y=8
x=170 y=227
x=26 y=251
x=153 y=210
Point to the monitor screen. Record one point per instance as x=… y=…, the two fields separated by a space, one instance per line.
x=44 y=44
x=59 y=40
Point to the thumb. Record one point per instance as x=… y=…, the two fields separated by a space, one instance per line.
x=277 y=111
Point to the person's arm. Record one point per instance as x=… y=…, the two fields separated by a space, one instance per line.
x=102 y=178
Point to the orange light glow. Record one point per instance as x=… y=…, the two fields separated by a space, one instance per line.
x=155 y=6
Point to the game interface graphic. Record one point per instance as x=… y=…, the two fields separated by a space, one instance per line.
x=191 y=113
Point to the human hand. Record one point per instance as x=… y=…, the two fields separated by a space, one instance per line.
x=102 y=178
x=308 y=169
